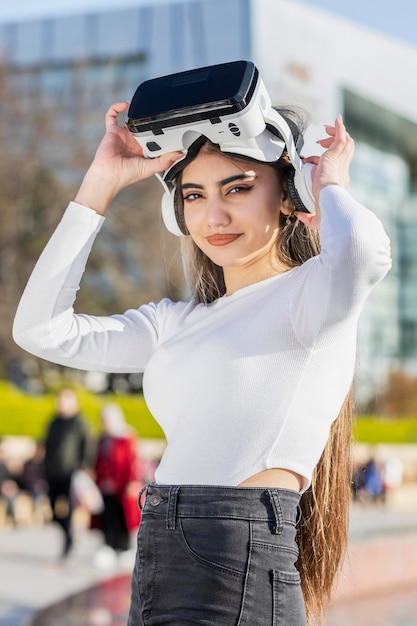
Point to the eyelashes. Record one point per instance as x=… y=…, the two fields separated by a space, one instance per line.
x=191 y=196
x=237 y=189
x=241 y=189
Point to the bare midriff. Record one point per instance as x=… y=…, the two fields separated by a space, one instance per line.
x=275 y=478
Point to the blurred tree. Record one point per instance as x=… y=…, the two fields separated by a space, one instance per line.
x=45 y=146
x=399 y=398
x=29 y=194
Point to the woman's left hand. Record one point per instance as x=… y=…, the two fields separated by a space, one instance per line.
x=331 y=168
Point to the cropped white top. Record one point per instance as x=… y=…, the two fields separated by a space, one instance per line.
x=250 y=382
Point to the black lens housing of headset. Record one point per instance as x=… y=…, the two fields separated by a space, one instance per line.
x=186 y=97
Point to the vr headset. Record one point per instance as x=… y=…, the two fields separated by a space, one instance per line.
x=227 y=104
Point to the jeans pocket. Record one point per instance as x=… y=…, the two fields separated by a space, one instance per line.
x=288 y=601
x=220 y=544
x=184 y=578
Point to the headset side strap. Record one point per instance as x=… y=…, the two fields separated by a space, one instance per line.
x=276 y=120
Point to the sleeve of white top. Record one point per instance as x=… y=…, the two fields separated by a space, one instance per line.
x=354 y=257
x=45 y=323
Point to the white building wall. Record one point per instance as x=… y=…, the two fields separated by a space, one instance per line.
x=308 y=54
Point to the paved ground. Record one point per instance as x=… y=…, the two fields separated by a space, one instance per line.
x=378 y=583
x=32 y=577
x=399 y=609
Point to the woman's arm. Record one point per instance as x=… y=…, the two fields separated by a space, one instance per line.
x=45 y=323
x=355 y=250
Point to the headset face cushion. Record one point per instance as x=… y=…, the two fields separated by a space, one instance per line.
x=299 y=186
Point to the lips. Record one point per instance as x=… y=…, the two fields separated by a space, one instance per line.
x=222 y=240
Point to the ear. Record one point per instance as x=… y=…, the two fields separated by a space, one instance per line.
x=311 y=221
x=286 y=207
x=305 y=218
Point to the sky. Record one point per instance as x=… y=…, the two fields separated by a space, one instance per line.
x=397 y=18
x=393 y=17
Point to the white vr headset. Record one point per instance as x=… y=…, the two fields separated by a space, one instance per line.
x=227 y=104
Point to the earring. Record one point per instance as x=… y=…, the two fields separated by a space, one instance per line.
x=290 y=220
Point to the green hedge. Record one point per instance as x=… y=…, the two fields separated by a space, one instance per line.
x=23 y=414
x=374 y=429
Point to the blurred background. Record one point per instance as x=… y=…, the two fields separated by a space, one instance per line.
x=61 y=66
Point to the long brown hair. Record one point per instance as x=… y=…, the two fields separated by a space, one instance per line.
x=323 y=527
x=322 y=532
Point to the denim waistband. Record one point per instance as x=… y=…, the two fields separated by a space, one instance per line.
x=250 y=503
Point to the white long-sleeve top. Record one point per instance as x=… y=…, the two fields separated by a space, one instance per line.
x=250 y=382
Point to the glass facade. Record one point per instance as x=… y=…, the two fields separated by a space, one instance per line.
x=407 y=304
x=382 y=179
x=75 y=66
x=172 y=36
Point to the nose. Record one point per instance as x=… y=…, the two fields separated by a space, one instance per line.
x=217 y=214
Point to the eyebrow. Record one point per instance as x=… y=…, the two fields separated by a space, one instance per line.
x=225 y=181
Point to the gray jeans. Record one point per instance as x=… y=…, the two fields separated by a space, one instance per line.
x=217 y=556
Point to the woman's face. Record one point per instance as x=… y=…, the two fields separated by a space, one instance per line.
x=231 y=208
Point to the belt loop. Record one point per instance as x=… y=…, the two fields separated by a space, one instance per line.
x=171 y=518
x=299 y=514
x=140 y=496
x=276 y=507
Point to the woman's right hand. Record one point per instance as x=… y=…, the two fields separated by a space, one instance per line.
x=118 y=162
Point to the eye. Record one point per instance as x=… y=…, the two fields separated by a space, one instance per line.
x=240 y=189
x=189 y=197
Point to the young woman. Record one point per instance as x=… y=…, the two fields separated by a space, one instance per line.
x=250 y=379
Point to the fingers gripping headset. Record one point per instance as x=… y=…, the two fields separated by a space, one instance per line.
x=227 y=104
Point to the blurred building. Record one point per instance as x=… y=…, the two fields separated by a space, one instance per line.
x=86 y=58
x=329 y=65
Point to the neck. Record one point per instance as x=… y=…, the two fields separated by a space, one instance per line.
x=238 y=277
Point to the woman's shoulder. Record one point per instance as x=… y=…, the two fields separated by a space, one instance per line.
x=175 y=307
x=165 y=309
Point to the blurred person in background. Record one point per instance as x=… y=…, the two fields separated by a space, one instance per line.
x=392 y=473
x=33 y=479
x=373 y=481
x=9 y=489
x=66 y=450
x=118 y=475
